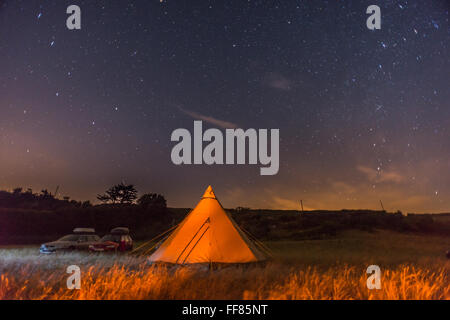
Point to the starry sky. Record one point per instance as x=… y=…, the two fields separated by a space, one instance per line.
x=363 y=115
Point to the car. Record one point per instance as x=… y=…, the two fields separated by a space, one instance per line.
x=118 y=240
x=80 y=239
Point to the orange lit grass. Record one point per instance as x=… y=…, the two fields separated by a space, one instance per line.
x=274 y=281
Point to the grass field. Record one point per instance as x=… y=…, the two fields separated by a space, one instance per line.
x=412 y=267
x=357 y=247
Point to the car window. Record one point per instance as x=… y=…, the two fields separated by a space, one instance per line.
x=69 y=237
x=83 y=239
x=107 y=237
x=93 y=238
x=111 y=237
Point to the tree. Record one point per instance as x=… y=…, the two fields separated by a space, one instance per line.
x=104 y=198
x=45 y=194
x=152 y=200
x=86 y=204
x=17 y=191
x=120 y=193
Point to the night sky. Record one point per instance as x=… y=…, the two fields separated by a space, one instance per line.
x=363 y=115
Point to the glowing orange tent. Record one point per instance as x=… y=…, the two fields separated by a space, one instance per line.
x=208 y=235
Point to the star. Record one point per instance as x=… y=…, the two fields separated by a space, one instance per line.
x=355 y=107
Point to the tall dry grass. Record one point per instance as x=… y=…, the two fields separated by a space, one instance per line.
x=26 y=275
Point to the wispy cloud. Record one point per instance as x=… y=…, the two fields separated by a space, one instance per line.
x=381 y=175
x=217 y=122
x=343 y=187
x=277 y=81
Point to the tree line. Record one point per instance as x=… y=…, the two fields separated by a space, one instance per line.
x=33 y=217
x=127 y=194
x=119 y=194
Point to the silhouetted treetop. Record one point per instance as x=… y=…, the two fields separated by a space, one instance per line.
x=37 y=201
x=119 y=193
x=152 y=200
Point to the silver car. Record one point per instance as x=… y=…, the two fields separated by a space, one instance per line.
x=81 y=239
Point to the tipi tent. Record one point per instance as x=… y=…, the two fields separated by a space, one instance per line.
x=208 y=235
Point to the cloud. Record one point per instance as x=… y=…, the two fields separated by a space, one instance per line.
x=381 y=176
x=411 y=202
x=211 y=120
x=277 y=81
x=343 y=187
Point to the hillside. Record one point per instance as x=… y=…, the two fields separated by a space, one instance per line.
x=30 y=226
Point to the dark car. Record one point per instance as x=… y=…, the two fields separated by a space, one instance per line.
x=80 y=239
x=117 y=240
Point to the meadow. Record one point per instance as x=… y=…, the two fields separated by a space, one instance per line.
x=412 y=267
